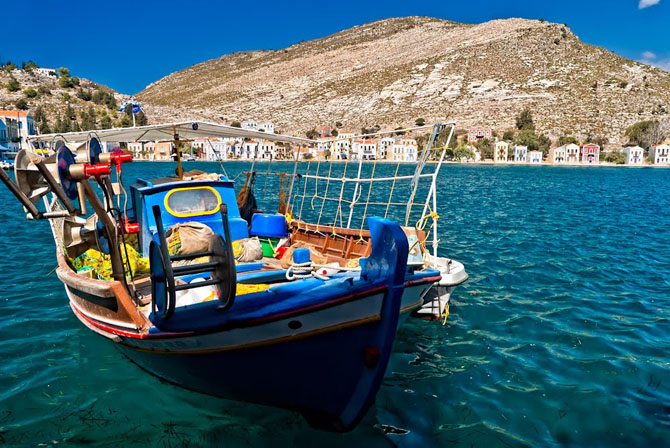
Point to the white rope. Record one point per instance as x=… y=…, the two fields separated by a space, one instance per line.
x=303 y=270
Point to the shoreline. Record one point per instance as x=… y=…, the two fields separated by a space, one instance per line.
x=390 y=162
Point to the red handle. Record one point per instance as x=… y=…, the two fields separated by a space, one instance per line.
x=100 y=169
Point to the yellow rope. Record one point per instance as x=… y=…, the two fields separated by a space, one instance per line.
x=445 y=314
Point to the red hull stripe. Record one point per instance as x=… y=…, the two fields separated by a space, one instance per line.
x=118 y=332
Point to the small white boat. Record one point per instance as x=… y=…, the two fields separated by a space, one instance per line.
x=436 y=301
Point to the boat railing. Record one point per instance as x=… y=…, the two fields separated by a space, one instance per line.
x=343 y=193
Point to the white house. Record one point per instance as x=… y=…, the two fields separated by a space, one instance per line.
x=634 y=155
x=535 y=157
x=384 y=147
x=325 y=144
x=404 y=150
x=4 y=139
x=25 y=124
x=249 y=150
x=266 y=127
x=250 y=125
x=363 y=149
x=343 y=145
x=557 y=155
x=267 y=150
x=42 y=71
x=500 y=152
x=411 y=149
x=660 y=154
x=571 y=153
x=520 y=153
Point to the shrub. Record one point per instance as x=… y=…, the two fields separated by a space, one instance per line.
x=13 y=85
x=21 y=104
x=30 y=93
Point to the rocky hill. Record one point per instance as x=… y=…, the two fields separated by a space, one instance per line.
x=393 y=71
x=65 y=105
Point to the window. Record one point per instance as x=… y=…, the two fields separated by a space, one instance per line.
x=194 y=201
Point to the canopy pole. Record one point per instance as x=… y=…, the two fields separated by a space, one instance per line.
x=179 y=171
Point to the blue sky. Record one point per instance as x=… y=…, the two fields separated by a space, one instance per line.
x=128 y=44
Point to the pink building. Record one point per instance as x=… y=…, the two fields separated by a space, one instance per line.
x=323 y=131
x=589 y=153
x=477 y=134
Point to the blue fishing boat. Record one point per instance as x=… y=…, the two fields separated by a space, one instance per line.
x=154 y=271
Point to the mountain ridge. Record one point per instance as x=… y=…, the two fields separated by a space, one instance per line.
x=393 y=71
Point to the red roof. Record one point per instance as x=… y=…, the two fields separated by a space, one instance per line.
x=14 y=113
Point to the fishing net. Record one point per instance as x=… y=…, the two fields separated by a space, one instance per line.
x=246 y=201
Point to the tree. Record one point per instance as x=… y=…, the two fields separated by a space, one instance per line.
x=236 y=124
x=30 y=93
x=30 y=66
x=126 y=121
x=567 y=140
x=338 y=124
x=43 y=125
x=617 y=157
x=141 y=119
x=508 y=136
x=334 y=133
x=43 y=90
x=326 y=154
x=307 y=156
x=105 y=122
x=311 y=134
x=38 y=113
x=636 y=133
x=85 y=95
x=88 y=119
x=398 y=131
x=9 y=66
x=21 y=104
x=420 y=122
x=485 y=148
x=463 y=152
x=524 y=121
x=543 y=144
x=13 y=85
x=529 y=139
x=64 y=79
x=649 y=133
x=70 y=113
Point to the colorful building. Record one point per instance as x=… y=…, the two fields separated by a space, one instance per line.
x=323 y=131
x=589 y=153
x=477 y=134
x=520 y=154
x=501 y=152
x=163 y=151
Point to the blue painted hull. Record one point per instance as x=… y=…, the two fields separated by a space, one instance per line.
x=317 y=375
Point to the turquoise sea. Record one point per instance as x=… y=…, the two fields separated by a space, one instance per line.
x=561 y=337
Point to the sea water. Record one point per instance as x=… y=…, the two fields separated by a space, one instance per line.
x=561 y=336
